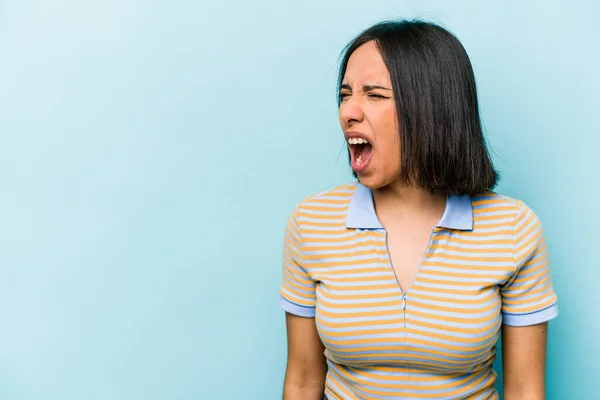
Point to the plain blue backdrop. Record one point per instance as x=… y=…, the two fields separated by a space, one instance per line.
x=151 y=151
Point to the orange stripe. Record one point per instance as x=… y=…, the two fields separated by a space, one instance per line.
x=463 y=292
x=449 y=328
x=353 y=262
x=481 y=225
x=328 y=224
x=473 y=258
x=297 y=300
x=333 y=239
x=490 y=210
x=459 y=310
x=507 y=250
x=487 y=277
x=358 y=253
x=363 y=287
x=482 y=243
x=546 y=304
x=481 y=218
x=318 y=216
x=331 y=297
x=423 y=279
x=445 y=318
x=477 y=203
x=505 y=232
x=485 y=299
x=352 y=270
x=429 y=263
x=349 y=246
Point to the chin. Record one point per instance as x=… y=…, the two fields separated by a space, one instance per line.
x=372 y=181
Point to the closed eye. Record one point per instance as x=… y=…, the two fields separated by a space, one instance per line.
x=377 y=96
x=371 y=95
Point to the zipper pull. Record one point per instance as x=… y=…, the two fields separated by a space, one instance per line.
x=404 y=302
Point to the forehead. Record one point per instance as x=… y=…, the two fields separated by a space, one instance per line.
x=366 y=65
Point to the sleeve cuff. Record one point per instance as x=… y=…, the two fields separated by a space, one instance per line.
x=534 y=318
x=296 y=309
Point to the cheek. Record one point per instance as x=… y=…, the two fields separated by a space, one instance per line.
x=389 y=130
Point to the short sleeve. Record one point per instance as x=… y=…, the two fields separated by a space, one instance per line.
x=528 y=297
x=297 y=288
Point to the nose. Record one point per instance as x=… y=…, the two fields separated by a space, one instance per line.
x=350 y=111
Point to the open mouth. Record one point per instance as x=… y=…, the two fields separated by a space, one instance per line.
x=360 y=150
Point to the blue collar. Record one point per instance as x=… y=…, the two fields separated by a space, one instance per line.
x=361 y=212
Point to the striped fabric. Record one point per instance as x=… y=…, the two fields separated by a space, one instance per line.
x=486 y=264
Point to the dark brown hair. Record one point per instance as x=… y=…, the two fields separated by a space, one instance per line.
x=443 y=148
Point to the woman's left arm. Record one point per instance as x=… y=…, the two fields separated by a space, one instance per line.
x=524 y=361
x=528 y=303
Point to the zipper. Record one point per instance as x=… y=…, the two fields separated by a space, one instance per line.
x=405 y=344
x=404 y=293
x=404 y=308
x=387 y=249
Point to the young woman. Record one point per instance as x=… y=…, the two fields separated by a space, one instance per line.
x=397 y=286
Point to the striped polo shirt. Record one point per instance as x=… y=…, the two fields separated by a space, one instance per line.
x=486 y=264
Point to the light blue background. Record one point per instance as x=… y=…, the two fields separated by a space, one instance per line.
x=150 y=152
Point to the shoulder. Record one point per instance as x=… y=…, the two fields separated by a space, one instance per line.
x=340 y=195
x=511 y=212
x=324 y=205
x=500 y=203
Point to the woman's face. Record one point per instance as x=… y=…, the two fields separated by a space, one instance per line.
x=368 y=118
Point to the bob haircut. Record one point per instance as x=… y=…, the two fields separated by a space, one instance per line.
x=442 y=146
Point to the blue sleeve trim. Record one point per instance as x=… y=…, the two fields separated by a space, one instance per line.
x=534 y=318
x=296 y=309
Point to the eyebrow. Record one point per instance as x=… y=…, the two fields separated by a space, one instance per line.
x=365 y=88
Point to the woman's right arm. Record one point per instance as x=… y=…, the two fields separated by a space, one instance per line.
x=306 y=364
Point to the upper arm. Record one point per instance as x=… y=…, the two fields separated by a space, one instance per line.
x=528 y=303
x=524 y=361
x=306 y=364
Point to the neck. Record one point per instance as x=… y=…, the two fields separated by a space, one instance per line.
x=397 y=202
